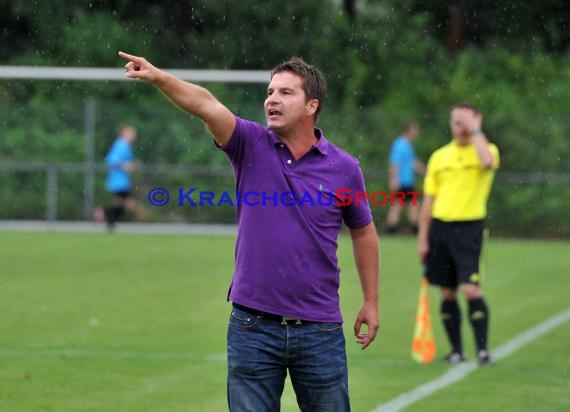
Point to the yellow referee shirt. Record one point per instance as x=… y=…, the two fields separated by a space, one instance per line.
x=459 y=183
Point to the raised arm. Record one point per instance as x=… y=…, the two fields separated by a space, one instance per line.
x=191 y=98
x=482 y=146
x=366 y=256
x=473 y=122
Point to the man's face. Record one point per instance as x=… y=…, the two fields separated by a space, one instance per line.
x=458 y=124
x=413 y=132
x=130 y=134
x=286 y=104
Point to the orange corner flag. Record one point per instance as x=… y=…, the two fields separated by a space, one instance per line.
x=423 y=345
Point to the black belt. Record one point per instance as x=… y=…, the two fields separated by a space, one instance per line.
x=284 y=320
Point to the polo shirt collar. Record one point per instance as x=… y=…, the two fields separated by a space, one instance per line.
x=457 y=146
x=322 y=145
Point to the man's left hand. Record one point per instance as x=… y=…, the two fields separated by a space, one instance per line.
x=367 y=315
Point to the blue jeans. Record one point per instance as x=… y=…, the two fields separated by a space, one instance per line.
x=261 y=351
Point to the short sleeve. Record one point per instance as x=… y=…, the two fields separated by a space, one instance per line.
x=244 y=133
x=396 y=154
x=357 y=216
x=116 y=155
x=430 y=182
x=496 y=157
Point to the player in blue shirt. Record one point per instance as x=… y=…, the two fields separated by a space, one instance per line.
x=121 y=164
x=403 y=168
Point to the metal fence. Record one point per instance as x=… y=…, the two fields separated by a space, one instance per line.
x=164 y=172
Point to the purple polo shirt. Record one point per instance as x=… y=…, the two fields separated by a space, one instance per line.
x=285 y=257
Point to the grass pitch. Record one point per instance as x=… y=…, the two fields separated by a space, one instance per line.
x=96 y=322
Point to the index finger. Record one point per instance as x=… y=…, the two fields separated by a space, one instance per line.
x=357 y=327
x=366 y=343
x=130 y=57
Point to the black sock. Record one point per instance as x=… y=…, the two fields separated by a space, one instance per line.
x=392 y=229
x=113 y=214
x=479 y=317
x=451 y=316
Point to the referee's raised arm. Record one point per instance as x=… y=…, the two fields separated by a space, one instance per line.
x=191 y=98
x=471 y=121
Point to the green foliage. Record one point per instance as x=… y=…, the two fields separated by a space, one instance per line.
x=387 y=66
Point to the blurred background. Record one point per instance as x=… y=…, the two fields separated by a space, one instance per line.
x=386 y=62
x=136 y=321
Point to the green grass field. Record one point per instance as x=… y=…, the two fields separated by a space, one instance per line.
x=97 y=322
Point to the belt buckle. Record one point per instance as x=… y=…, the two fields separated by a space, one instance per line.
x=285 y=319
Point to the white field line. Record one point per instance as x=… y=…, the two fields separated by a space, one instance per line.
x=459 y=372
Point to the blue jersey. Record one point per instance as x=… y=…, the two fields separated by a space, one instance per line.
x=118 y=179
x=402 y=156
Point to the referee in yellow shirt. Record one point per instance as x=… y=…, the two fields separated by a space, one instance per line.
x=456 y=188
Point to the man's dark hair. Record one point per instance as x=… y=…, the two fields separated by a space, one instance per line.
x=465 y=105
x=314 y=83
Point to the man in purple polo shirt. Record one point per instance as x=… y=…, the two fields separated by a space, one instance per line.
x=285 y=314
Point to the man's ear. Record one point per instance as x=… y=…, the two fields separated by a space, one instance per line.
x=312 y=106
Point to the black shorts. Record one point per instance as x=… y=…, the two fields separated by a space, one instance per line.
x=409 y=195
x=454 y=252
x=122 y=194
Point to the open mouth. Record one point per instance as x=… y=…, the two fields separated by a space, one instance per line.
x=273 y=113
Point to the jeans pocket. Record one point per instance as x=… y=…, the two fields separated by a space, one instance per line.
x=328 y=327
x=242 y=319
